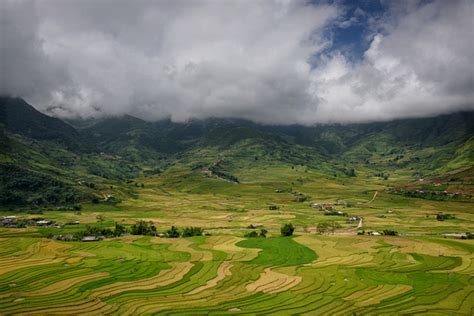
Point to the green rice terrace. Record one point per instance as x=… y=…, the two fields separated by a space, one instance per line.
x=237 y=157
x=315 y=271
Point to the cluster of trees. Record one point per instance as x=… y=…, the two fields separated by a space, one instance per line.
x=192 y=231
x=286 y=230
x=441 y=217
x=254 y=234
x=390 y=232
x=326 y=227
x=383 y=175
x=431 y=195
x=350 y=172
x=174 y=232
x=117 y=231
x=143 y=228
x=224 y=175
x=147 y=228
x=21 y=186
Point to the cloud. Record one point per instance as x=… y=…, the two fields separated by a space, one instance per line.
x=418 y=65
x=267 y=61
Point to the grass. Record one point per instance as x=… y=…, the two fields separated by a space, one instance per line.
x=279 y=251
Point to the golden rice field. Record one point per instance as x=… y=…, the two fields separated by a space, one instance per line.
x=306 y=274
x=224 y=273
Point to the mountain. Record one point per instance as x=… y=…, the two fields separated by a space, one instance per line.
x=45 y=160
x=21 y=118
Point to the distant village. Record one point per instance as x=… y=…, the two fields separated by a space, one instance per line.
x=12 y=221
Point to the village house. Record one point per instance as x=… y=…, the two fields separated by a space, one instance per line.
x=374 y=233
x=92 y=238
x=354 y=219
x=43 y=222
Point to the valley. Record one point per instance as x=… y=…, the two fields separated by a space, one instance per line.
x=382 y=212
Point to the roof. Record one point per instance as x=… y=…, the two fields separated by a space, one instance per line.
x=90 y=238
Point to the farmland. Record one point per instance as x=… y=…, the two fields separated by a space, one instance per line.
x=224 y=273
x=89 y=214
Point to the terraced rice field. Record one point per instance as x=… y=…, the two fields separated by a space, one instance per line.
x=226 y=273
x=306 y=274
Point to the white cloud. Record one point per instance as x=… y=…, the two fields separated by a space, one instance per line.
x=246 y=59
x=422 y=65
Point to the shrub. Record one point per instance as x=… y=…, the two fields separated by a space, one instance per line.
x=287 y=229
x=251 y=234
x=100 y=218
x=389 y=232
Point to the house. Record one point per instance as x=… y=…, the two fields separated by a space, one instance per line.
x=43 y=223
x=73 y=223
x=354 y=218
x=91 y=238
x=317 y=206
x=374 y=233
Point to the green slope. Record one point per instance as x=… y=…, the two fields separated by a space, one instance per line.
x=99 y=157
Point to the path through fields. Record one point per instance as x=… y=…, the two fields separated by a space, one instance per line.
x=373 y=199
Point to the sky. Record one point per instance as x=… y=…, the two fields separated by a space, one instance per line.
x=272 y=62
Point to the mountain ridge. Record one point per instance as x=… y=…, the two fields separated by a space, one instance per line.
x=109 y=151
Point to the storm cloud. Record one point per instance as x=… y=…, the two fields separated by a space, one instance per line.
x=267 y=61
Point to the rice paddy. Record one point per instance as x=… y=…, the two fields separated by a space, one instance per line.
x=225 y=273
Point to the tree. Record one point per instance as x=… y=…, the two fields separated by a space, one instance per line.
x=173 y=232
x=143 y=228
x=251 y=234
x=192 y=231
x=100 y=219
x=390 y=232
x=322 y=227
x=287 y=229
x=325 y=227
x=119 y=230
x=263 y=233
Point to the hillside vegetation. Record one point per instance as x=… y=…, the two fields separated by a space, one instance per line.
x=222 y=216
x=85 y=160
